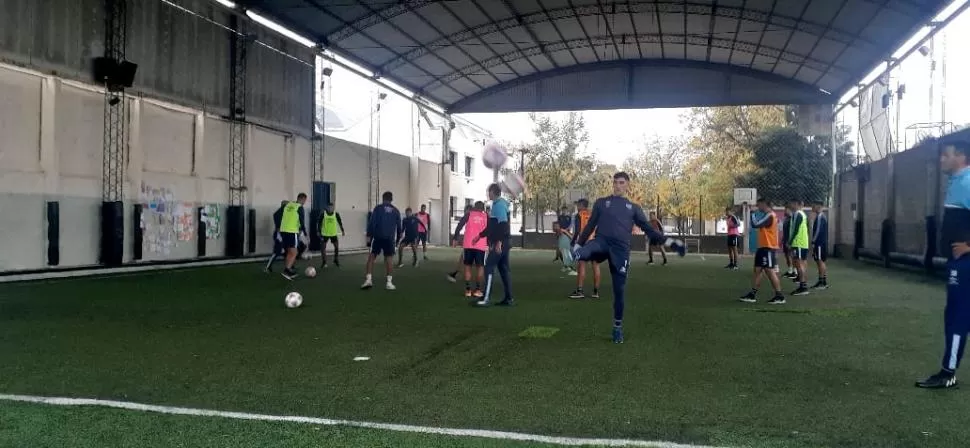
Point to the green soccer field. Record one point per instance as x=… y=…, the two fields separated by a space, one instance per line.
x=834 y=368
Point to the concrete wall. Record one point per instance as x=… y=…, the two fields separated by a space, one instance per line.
x=182 y=54
x=51 y=151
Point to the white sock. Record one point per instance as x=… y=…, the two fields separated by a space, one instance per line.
x=389 y=279
x=367 y=278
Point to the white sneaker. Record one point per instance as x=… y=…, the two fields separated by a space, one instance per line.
x=390 y=286
x=367 y=284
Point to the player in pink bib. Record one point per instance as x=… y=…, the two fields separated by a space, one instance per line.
x=733 y=238
x=474 y=251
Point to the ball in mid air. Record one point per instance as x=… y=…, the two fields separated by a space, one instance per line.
x=494 y=155
x=514 y=184
x=293 y=300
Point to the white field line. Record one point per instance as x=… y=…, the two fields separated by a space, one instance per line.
x=482 y=433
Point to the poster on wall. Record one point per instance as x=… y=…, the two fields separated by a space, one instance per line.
x=212 y=217
x=164 y=221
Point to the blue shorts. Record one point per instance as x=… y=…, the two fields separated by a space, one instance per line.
x=422 y=237
x=473 y=257
x=379 y=246
x=799 y=253
x=599 y=251
x=765 y=258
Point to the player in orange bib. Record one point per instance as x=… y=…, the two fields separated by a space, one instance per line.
x=579 y=223
x=765 y=259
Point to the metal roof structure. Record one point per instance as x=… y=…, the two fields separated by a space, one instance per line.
x=543 y=55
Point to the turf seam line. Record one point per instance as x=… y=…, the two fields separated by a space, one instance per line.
x=480 y=433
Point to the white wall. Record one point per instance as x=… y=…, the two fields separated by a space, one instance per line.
x=51 y=151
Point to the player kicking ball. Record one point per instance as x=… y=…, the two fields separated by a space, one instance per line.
x=613 y=219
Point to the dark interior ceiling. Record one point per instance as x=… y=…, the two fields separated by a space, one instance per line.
x=504 y=55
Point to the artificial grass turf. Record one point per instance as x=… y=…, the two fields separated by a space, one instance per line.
x=833 y=368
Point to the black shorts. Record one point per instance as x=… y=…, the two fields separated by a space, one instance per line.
x=328 y=239
x=820 y=253
x=657 y=241
x=409 y=241
x=379 y=246
x=473 y=257
x=765 y=258
x=798 y=253
x=422 y=237
x=733 y=240
x=290 y=240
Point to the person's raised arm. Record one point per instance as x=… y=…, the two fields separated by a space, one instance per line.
x=460 y=226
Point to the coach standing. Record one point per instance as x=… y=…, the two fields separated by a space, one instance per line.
x=955 y=238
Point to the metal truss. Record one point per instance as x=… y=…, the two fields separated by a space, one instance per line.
x=115 y=143
x=238 y=53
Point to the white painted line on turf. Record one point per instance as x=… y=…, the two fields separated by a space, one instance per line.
x=483 y=433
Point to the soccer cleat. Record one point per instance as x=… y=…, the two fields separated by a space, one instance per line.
x=800 y=291
x=390 y=286
x=617 y=335
x=748 y=298
x=650 y=263
x=400 y=265
x=453 y=277
x=942 y=380
x=481 y=303
x=368 y=284
x=736 y=267
x=729 y=266
x=820 y=285
x=572 y=273
x=777 y=300
x=596 y=294
x=508 y=301
x=577 y=294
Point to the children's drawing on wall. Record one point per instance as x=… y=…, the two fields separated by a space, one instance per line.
x=212 y=217
x=164 y=221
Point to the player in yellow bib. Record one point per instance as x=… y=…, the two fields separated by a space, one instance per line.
x=798 y=243
x=292 y=228
x=330 y=225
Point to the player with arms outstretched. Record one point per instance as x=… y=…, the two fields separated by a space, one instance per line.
x=613 y=219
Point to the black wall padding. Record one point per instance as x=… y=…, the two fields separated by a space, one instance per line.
x=137 y=233
x=200 y=232
x=112 y=233
x=235 y=231
x=53 y=233
x=252 y=231
x=314 y=229
x=932 y=242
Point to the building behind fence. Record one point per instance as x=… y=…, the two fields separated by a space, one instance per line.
x=891 y=209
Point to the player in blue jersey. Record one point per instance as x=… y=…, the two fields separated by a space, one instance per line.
x=955 y=242
x=383 y=230
x=613 y=219
x=820 y=244
x=498 y=234
x=412 y=230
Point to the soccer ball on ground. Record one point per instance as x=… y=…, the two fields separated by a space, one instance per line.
x=310 y=272
x=494 y=155
x=513 y=184
x=293 y=300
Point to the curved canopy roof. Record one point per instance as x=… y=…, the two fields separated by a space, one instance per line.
x=504 y=55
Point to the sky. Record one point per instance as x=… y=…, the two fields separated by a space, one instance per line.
x=616 y=134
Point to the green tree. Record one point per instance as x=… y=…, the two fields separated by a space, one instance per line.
x=790 y=166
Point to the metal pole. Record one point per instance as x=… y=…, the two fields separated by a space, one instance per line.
x=522 y=173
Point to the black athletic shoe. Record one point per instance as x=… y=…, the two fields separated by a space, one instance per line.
x=729 y=266
x=942 y=380
x=820 y=285
x=748 y=298
x=791 y=275
x=596 y=294
x=800 y=291
x=508 y=301
x=577 y=294
x=777 y=300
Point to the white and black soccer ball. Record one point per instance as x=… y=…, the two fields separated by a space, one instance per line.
x=494 y=155
x=310 y=271
x=293 y=300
